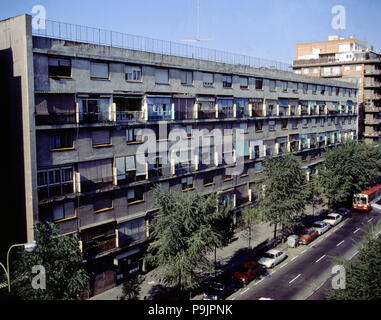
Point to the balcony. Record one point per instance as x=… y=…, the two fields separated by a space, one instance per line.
x=372 y=109
x=160 y=116
x=372 y=71
x=372 y=121
x=372 y=134
x=258 y=112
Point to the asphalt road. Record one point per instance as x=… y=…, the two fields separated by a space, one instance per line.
x=307 y=271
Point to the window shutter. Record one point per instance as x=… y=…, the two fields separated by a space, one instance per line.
x=99 y=70
x=120 y=168
x=161 y=76
x=101 y=137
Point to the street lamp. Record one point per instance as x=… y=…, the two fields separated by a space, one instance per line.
x=29 y=247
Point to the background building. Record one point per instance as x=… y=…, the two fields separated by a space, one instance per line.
x=87 y=93
x=347 y=59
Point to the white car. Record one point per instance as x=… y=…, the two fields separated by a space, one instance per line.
x=272 y=258
x=321 y=227
x=333 y=218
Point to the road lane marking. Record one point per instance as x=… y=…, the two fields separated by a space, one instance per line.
x=319 y=258
x=340 y=243
x=244 y=291
x=233 y=298
x=294 y=258
x=370 y=219
x=258 y=282
x=295 y=278
x=283 y=265
x=303 y=251
x=358 y=229
x=378 y=233
x=353 y=255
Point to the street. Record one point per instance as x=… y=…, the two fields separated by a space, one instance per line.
x=307 y=271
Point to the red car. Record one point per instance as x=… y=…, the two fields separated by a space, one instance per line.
x=248 y=271
x=307 y=236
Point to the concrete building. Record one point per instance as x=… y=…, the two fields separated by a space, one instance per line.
x=347 y=59
x=87 y=101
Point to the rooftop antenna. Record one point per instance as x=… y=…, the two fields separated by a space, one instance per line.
x=198 y=39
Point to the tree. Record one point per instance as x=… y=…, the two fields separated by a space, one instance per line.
x=284 y=195
x=347 y=169
x=61 y=258
x=362 y=277
x=251 y=215
x=131 y=287
x=186 y=232
x=312 y=191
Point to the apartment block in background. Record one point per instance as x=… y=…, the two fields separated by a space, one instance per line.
x=347 y=59
x=89 y=95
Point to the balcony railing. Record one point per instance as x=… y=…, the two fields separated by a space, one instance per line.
x=184 y=168
x=226 y=112
x=89 y=35
x=100 y=183
x=122 y=116
x=52 y=118
x=95 y=247
x=207 y=114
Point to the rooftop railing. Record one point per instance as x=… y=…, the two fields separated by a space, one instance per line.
x=90 y=35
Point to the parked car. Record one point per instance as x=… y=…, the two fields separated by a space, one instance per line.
x=344 y=212
x=307 y=236
x=220 y=291
x=248 y=271
x=321 y=226
x=272 y=258
x=333 y=218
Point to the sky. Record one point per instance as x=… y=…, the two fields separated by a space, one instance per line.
x=267 y=29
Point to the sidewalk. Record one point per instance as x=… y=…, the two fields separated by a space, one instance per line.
x=228 y=258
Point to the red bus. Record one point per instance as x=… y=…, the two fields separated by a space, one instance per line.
x=362 y=201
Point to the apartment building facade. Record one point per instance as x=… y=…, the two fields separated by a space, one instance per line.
x=92 y=109
x=347 y=59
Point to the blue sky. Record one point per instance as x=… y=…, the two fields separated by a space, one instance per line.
x=262 y=28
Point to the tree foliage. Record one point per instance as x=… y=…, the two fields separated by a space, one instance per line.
x=284 y=196
x=251 y=216
x=188 y=226
x=62 y=260
x=347 y=169
x=362 y=277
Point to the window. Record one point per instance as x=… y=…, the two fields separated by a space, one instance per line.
x=188 y=130
x=61 y=141
x=54 y=182
x=130 y=168
x=329 y=89
x=134 y=135
x=131 y=231
x=293 y=86
x=284 y=124
x=271 y=125
x=186 y=77
x=283 y=86
x=243 y=82
x=305 y=122
x=99 y=70
x=313 y=88
x=135 y=195
x=102 y=203
x=208 y=179
x=101 y=138
x=272 y=85
x=63 y=211
x=305 y=88
x=259 y=125
x=259 y=84
x=133 y=73
x=227 y=81
x=94 y=110
x=161 y=76
x=337 y=91
x=187 y=183
x=59 y=68
x=322 y=89
x=207 y=79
